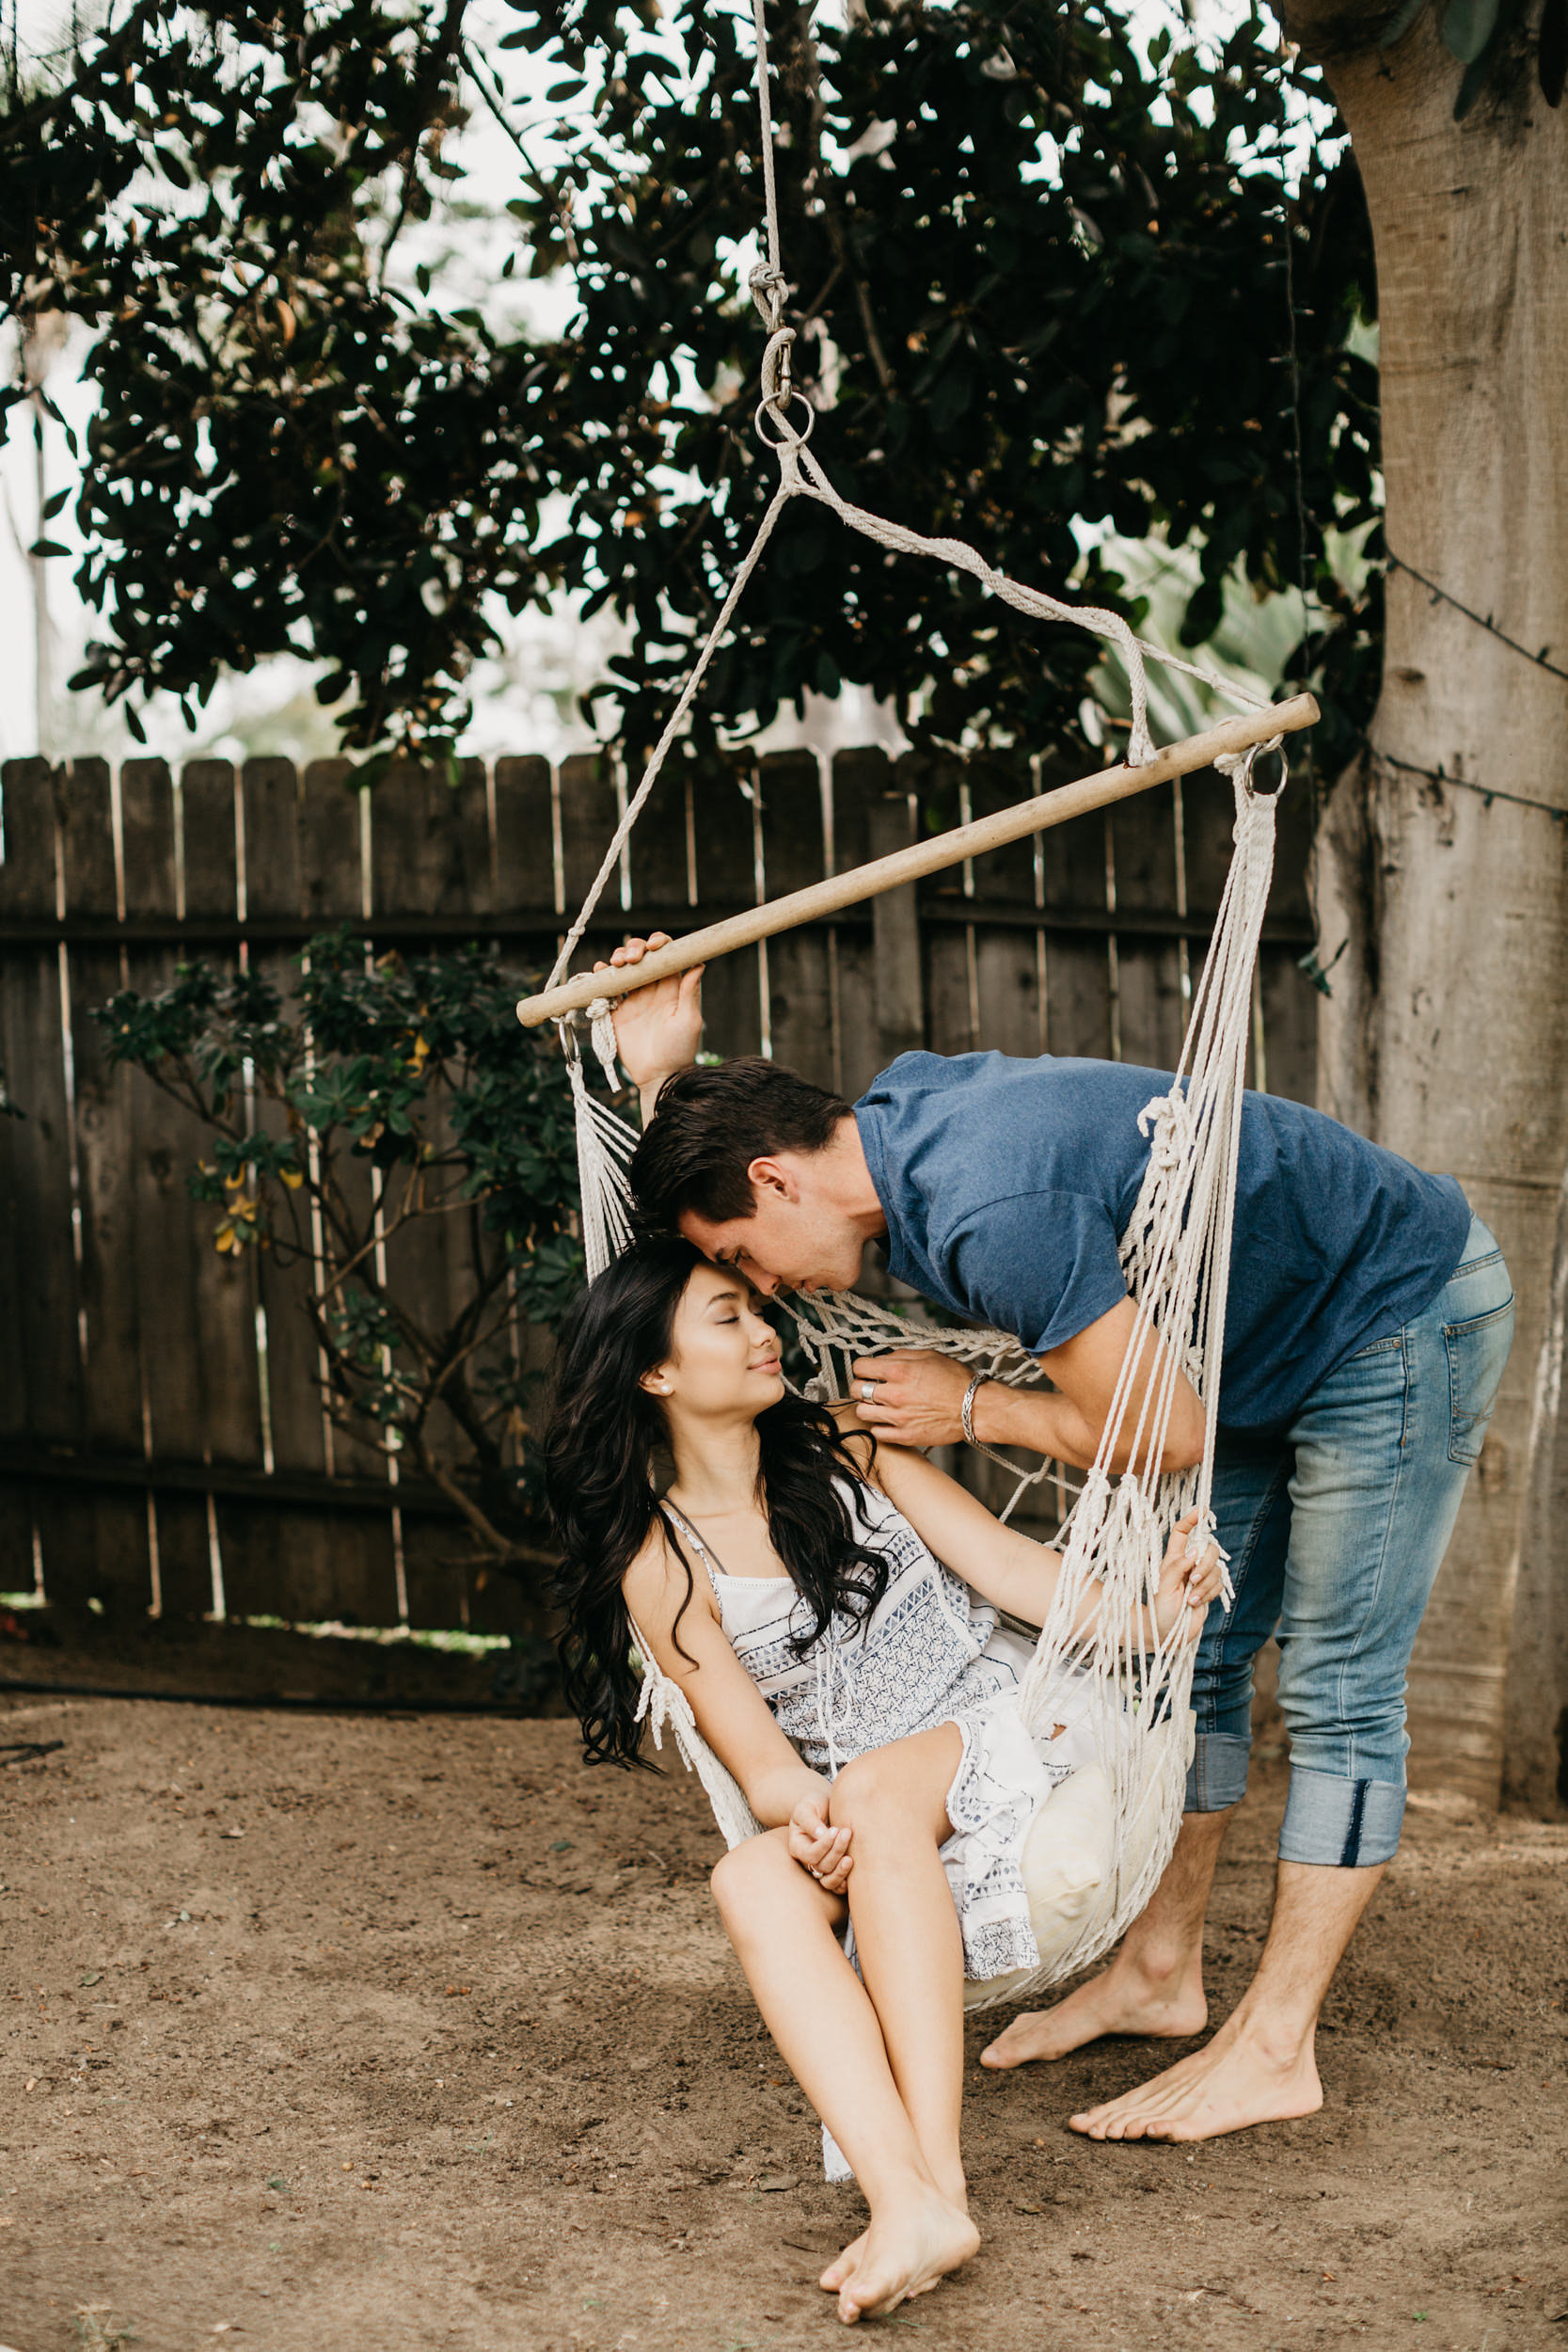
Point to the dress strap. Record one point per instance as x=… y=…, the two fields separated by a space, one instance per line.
x=711 y=1560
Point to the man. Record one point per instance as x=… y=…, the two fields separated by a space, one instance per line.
x=1369 y=1322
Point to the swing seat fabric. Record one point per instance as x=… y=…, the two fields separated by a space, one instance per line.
x=1075 y=1855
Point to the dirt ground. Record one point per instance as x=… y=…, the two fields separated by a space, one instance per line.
x=323 y=2032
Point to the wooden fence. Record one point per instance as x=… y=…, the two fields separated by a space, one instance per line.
x=162 y=1438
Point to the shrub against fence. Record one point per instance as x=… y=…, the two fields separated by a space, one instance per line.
x=165 y=1438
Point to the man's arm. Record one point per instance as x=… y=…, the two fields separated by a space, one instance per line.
x=919 y=1394
x=657 y=1029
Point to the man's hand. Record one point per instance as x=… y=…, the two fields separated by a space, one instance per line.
x=816 y=1846
x=916 y=1397
x=657 y=1029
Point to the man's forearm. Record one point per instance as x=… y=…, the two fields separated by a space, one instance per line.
x=1041 y=1419
x=647 y=1090
x=1045 y=1421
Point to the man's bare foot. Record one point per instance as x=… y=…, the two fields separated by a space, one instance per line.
x=1120 y=2001
x=1225 y=2088
x=905 y=2253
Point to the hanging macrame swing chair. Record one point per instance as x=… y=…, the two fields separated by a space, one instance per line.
x=1100 y=1842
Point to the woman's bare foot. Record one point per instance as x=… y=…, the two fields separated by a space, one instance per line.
x=954 y=2190
x=905 y=2253
x=1121 y=2001
x=842 y=2265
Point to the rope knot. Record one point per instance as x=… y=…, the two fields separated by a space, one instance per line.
x=1169 y=1118
x=768 y=289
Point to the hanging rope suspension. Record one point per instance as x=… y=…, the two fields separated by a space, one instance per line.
x=802 y=476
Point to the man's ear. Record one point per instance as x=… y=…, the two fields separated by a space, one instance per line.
x=771 y=1175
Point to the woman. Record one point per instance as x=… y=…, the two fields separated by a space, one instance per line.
x=860 y=1694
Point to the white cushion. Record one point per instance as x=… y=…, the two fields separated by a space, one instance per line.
x=1072 y=1871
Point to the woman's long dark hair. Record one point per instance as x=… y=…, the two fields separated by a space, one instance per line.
x=601 y=1448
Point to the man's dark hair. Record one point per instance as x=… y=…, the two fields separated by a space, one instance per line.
x=711 y=1124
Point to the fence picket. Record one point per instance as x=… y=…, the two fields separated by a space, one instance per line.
x=170 y=1233
x=860 y=779
x=1081 y=1010
x=799 y=983
x=726 y=876
x=45 y=1406
x=1148 y=971
x=525 y=847
x=432 y=855
x=112 y=1323
x=1008 y=961
x=281 y=1565
x=940 y=787
x=331 y=825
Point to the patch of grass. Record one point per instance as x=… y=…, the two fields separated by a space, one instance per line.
x=97 y=2330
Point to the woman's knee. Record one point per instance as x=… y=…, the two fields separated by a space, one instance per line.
x=870 y=1788
x=747 y=1878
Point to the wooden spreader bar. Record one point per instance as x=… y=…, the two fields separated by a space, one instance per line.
x=922 y=857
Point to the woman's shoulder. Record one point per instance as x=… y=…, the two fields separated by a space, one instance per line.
x=658 y=1583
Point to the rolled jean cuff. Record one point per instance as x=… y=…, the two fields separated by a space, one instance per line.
x=1341 y=1824
x=1217 y=1777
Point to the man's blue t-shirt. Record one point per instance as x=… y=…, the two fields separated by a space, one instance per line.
x=1006 y=1185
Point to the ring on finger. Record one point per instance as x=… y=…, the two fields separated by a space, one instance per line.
x=868 y=1391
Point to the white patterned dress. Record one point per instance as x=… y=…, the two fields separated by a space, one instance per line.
x=930 y=1653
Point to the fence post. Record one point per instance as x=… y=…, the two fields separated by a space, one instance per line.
x=900 y=995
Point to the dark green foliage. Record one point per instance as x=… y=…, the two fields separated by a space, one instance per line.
x=1044 y=270
x=419 y=1070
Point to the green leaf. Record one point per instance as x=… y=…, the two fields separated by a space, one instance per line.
x=1466 y=27
x=52 y=506
x=47 y=546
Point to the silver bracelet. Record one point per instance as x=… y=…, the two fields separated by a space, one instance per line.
x=966 y=1410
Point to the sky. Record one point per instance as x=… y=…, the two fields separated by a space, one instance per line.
x=524 y=699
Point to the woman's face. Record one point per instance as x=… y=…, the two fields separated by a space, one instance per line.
x=723 y=1357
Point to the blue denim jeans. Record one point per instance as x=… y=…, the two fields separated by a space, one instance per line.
x=1335 y=1526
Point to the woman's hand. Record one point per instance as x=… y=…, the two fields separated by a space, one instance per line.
x=1186 y=1586
x=658 y=1029
x=816 y=1846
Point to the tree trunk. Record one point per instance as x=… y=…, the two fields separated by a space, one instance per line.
x=1446 y=1037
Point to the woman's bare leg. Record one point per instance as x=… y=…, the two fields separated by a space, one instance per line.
x=906 y=1933
x=819 y=2014
x=910 y=1954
